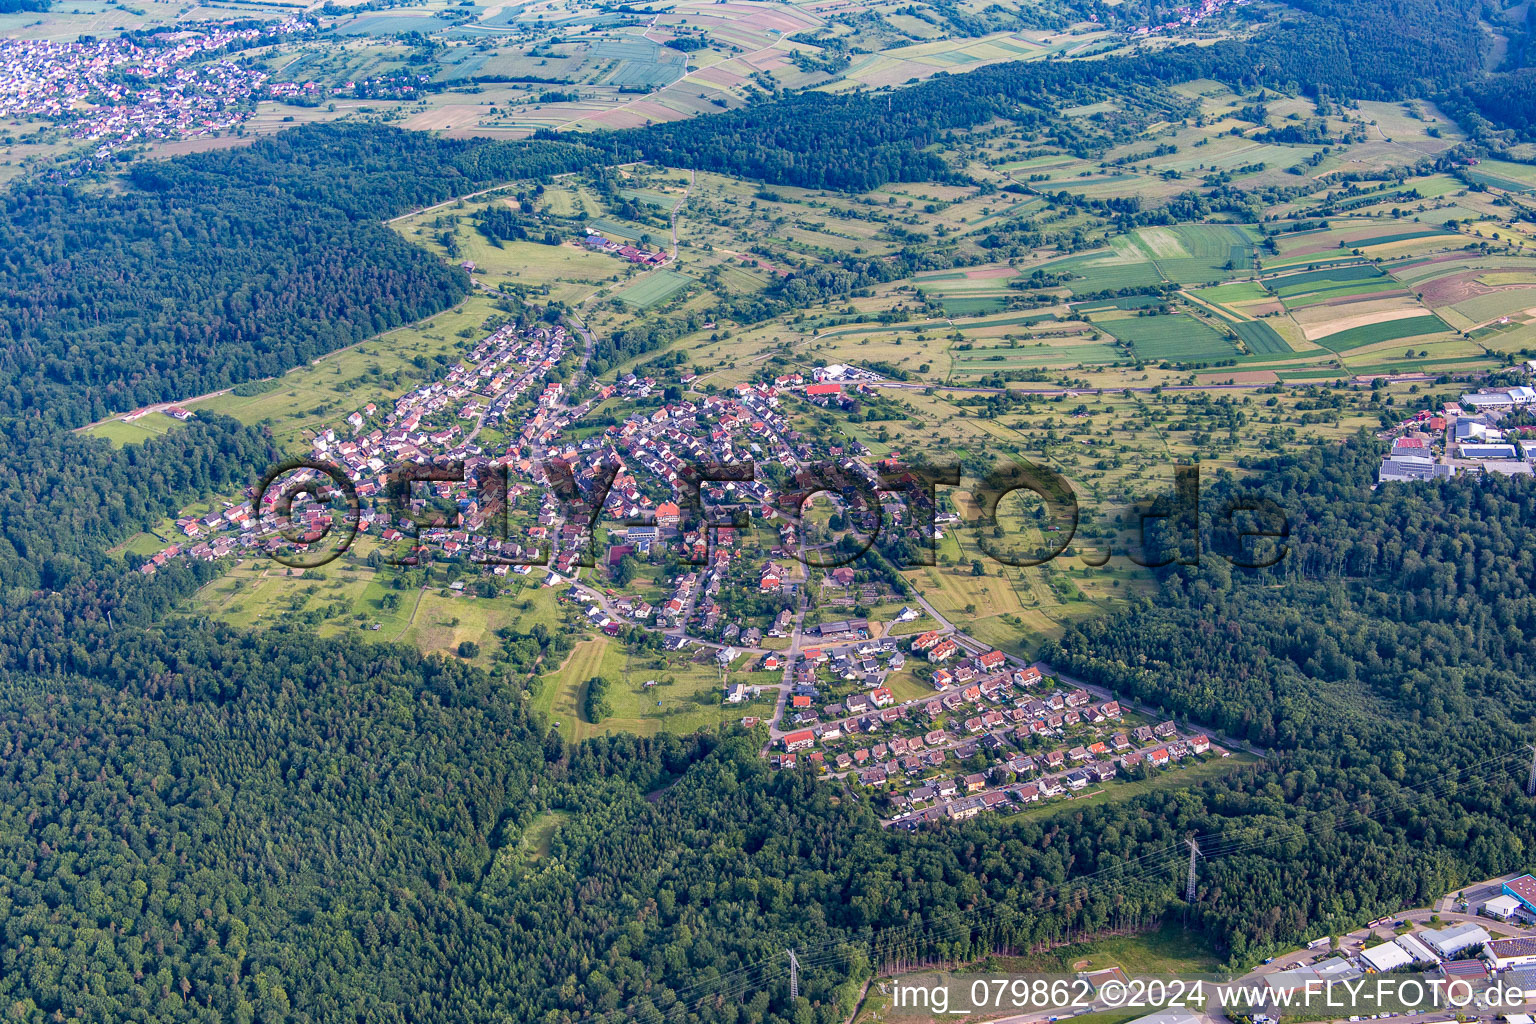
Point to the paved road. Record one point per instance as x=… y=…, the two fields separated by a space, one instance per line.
x=787 y=681
x=934 y=612
x=449 y=202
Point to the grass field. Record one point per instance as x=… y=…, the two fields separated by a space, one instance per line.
x=350 y=596
x=1240 y=291
x=686 y=697
x=1170 y=950
x=142 y=429
x=654 y=288
x=1178 y=338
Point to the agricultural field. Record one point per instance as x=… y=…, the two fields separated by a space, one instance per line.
x=1177 y=338
x=1387 y=330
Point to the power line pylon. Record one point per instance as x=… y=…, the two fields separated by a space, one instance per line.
x=1189 y=888
x=794 y=976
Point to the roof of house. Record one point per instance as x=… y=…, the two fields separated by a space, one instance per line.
x=1463 y=969
x=1523 y=889
x=1466 y=933
x=1511 y=947
x=1416 y=949
x=1502 y=905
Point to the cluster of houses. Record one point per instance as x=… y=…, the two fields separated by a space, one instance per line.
x=645 y=257
x=435 y=421
x=861 y=660
x=651 y=455
x=639 y=468
x=178 y=88
x=998 y=717
x=1464 y=436
x=1189 y=16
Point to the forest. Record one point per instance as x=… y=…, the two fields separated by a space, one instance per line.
x=65 y=498
x=1504 y=100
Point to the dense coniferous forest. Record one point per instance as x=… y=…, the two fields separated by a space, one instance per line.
x=1504 y=100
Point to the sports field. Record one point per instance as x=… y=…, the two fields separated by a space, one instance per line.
x=653 y=288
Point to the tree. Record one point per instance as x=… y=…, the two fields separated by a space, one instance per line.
x=594 y=703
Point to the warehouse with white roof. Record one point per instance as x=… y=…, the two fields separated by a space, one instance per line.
x=1388 y=956
x=1450 y=941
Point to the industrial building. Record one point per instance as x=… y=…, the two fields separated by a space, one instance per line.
x=1503 y=954
x=1450 y=941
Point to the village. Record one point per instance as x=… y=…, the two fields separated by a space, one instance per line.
x=994 y=734
x=181 y=87
x=726 y=556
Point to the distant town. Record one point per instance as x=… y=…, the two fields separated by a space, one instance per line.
x=180 y=86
